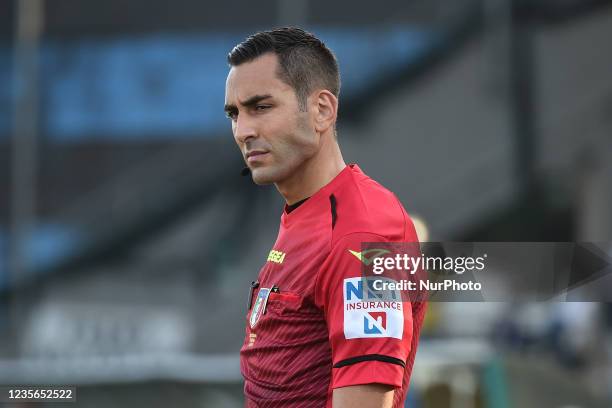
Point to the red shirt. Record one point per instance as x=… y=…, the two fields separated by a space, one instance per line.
x=308 y=328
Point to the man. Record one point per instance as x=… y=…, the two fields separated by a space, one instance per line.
x=303 y=346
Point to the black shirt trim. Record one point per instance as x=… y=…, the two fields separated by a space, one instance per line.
x=332 y=202
x=289 y=208
x=370 y=357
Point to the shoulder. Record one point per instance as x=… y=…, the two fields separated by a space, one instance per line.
x=365 y=208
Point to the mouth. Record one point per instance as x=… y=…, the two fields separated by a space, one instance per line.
x=255 y=155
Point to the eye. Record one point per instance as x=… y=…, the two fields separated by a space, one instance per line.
x=260 y=108
x=231 y=115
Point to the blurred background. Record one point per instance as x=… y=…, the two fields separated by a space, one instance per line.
x=128 y=237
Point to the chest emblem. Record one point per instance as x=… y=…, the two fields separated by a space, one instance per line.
x=259 y=307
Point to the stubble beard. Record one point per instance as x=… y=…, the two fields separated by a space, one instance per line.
x=272 y=173
x=277 y=172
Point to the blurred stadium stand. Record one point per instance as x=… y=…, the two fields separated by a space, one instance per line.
x=147 y=237
x=169 y=86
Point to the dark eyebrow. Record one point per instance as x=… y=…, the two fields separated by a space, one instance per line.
x=253 y=100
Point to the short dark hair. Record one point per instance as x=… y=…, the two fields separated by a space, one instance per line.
x=305 y=63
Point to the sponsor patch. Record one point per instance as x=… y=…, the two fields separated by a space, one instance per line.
x=371 y=313
x=276 y=256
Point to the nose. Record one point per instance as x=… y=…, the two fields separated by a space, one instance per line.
x=244 y=129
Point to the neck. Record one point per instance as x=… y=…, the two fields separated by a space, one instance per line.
x=313 y=174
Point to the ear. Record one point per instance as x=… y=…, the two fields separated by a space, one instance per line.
x=325 y=109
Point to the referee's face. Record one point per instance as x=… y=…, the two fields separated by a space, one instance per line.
x=275 y=137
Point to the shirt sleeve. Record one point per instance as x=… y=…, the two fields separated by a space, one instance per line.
x=370 y=336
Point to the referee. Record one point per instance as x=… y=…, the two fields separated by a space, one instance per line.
x=312 y=338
